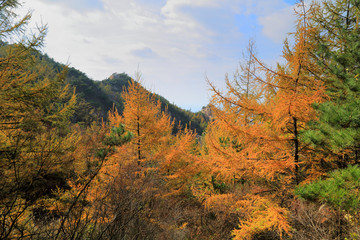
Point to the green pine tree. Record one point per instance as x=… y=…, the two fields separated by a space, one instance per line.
x=338 y=53
x=339 y=190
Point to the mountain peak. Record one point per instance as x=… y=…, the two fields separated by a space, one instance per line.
x=114 y=75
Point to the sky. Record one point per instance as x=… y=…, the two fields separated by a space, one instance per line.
x=175 y=44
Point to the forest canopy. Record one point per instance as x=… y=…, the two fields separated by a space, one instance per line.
x=275 y=156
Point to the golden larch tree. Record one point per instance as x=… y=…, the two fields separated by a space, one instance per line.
x=255 y=138
x=143 y=117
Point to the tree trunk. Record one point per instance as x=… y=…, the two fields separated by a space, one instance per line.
x=296 y=152
x=139 y=141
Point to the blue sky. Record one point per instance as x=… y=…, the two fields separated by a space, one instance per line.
x=174 y=43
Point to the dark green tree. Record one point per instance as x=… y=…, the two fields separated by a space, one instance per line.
x=339 y=190
x=337 y=130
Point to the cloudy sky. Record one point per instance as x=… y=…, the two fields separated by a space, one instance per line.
x=174 y=43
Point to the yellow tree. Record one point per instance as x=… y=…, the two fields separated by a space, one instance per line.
x=35 y=142
x=129 y=183
x=83 y=207
x=269 y=120
x=181 y=162
x=143 y=117
x=257 y=136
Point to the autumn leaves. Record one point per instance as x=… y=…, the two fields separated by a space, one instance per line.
x=138 y=176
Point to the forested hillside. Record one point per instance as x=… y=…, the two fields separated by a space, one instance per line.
x=278 y=160
x=96 y=98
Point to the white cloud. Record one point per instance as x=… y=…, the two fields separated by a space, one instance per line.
x=79 y=5
x=171 y=8
x=171 y=46
x=278 y=24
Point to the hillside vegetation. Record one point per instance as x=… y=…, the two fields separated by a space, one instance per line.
x=96 y=98
x=278 y=159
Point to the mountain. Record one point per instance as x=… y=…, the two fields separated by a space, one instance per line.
x=96 y=98
x=117 y=82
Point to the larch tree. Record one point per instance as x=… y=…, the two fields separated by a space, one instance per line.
x=35 y=141
x=143 y=117
x=83 y=207
x=298 y=87
x=258 y=134
x=242 y=151
x=130 y=178
x=228 y=134
x=181 y=162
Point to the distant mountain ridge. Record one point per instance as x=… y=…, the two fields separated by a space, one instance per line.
x=117 y=82
x=96 y=98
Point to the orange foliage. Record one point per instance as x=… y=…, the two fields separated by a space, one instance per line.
x=143 y=117
x=261 y=129
x=180 y=161
x=261 y=215
x=255 y=137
